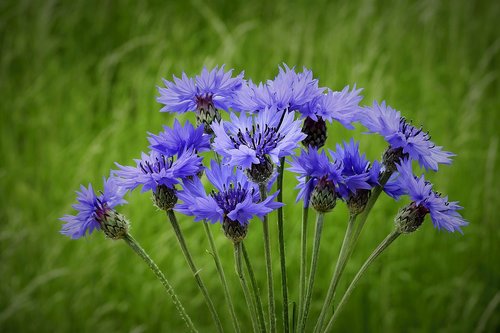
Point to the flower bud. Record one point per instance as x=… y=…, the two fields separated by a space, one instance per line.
x=234 y=230
x=392 y=156
x=206 y=113
x=164 y=197
x=315 y=131
x=410 y=218
x=324 y=196
x=112 y=223
x=357 y=202
x=262 y=172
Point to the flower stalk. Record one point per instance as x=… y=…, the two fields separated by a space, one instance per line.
x=244 y=286
x=314 y=263
x=194 y=269
x=220 y=270
x=255 y=288
x=382 y=246
x=134 y=245
x=269 y=269
x=281 y=241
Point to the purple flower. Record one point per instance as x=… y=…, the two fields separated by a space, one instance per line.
x=357 y=172
x=234 y=197
x=414 y=142
x=289 y=91
x=176 y=140
x=213 y=88
x=312 y=166
x=248 y=141
x=443 y=213
x=341 y=106
x=155 y=169
x=92 y=208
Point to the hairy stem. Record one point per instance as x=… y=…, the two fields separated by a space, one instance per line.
x=281 y=241
x=339 y=268
x=239 y=271
x=170 y=290
x=222 y=276
x=382 y=246
x=312 y=272
x=255 y=288
x=194 y=269
x=269 y=269
x=303 y=260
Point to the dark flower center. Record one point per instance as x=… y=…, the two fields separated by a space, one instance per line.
x=161 y=162
x=262 y=140
x=230 y=197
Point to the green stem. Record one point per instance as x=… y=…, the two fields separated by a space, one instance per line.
x=377 y=190
x=312 y=273
x=269 y=271
x=382 y=246
x=281 y=241
x=222 y=276
x=339 y=268
x=170 y=290
x=303 y=260
x=194 y=269
x=255 y=288
x=239 y=271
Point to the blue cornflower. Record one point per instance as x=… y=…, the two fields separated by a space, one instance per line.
x=205 y=94
x=289 y=91
x=93 y=210
x=425 y=200
x=357 y=172
x=341 y=106
x=253 y=142
x=215 y=87
x=179 y=139
x=334 y=105
x=404 y=139
x=313 y=168
x=233 y=202
x=155 y=169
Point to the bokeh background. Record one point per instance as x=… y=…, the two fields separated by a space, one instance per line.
x=77 y=89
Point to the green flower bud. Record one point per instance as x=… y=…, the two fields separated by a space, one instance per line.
x=164 y=197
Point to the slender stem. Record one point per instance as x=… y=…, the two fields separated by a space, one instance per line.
x=382 y=246
x=281 y=241
x=255 y=288
x=339 y=268
x=269 y=269
x=303 y=260
x=194 y=269
x=312 y=273
x=377 y=190
x=239 y=271
x=222 y=276
x=170 y=290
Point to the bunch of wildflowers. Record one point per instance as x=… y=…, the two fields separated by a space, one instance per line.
x=266 y=122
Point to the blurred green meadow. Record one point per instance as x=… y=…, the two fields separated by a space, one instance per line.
x=77 y=89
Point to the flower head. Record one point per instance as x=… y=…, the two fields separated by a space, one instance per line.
x=341 y=106
x=233 y=202
x=401 y=135
x=249 y=141
x=425 y=200
x=214 y=87
x=311 y=167
x=288 y=91
x=176 y=140
x=93 y=209
x=155 y=169
x=357 y=172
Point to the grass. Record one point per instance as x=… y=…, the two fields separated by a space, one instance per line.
x=77 y=91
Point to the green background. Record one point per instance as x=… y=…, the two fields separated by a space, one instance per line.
x=77 y=93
